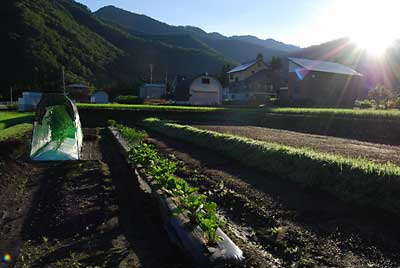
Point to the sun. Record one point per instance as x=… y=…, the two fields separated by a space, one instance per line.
x=372 y=25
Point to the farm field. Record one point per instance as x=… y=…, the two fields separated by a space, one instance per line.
x=378 y=153
x=88 y=213
x=335 y=112
x=281 y=223
x=8 y=119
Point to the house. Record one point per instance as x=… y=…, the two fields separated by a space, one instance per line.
x=29 y=101
x=250 y=81
x=324 y=83
x=78 y=92
x=153 y=91
x=202 y=90
x=247 y=69
x=99 y=97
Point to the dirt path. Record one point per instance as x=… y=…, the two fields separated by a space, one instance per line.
x=294 y=227
x=379 y=153
x=89 y=214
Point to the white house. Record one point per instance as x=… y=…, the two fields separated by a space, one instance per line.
x=29 y=101
x=99 y=97
x=153 y=91
x=205 y=90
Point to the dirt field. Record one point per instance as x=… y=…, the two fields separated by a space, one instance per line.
x=279 y=224
x=80 y=214
x=379 y=153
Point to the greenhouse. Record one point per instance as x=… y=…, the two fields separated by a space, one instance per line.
x=57 y=133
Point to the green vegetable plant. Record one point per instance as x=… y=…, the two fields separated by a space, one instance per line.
x=162 y=169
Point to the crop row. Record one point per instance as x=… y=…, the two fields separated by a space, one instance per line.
x=351 y=180
x=146 y=107
x=161 y=170
x=346 y=113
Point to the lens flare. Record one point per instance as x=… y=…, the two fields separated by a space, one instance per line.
x=7 y=257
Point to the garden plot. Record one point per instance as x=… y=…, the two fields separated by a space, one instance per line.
x=378 y=153
x=296 y=227
x=80 y=214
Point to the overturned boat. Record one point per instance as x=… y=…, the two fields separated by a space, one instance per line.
x=57 y=133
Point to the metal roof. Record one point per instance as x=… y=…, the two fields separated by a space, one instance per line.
x=243 y=67
x=324 y=66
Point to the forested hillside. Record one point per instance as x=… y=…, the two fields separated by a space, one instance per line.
x=41 y=36
x=236 y=48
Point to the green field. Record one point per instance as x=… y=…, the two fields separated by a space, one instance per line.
x=351 y=180
x=356 y=113
x=15 y=131
x=147 y=107
x=8 y=119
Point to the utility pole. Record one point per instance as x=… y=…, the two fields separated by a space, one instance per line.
x=11 y=94
x=166 y=77
x=63 y=80
x=151 y=73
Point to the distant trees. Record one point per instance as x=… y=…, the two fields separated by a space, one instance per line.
x=380 y=97
x=223 y=76
x=275 y=66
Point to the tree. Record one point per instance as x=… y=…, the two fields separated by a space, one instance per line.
x=223 y=76
x=380 y=95
x=275 y=66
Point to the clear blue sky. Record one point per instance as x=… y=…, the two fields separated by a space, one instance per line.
x=299 y=22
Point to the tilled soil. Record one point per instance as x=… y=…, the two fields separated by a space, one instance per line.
x=88 y=214
x=378 y=153
x=280 y=224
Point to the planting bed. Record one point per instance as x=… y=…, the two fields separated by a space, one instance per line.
x=280 y=224
x=191 y=221
x=80 y=214
x=378 y=153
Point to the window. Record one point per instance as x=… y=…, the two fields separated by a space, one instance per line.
x=205 y=81
x=236 y=78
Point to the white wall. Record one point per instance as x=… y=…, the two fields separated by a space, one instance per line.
x=205 y=94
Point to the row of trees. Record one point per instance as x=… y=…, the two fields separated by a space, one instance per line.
x=381 y=97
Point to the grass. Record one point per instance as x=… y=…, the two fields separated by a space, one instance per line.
x=351 y=180
x=146 y=107
x=357 y=113
x=8 y=119
x=15 y=131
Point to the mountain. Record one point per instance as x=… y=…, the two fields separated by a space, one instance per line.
x=39 y=37
x=267 y=43
x=377 y=70
x=237 y=48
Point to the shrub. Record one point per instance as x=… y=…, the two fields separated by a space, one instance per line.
x=365 y=104
x=128 y=99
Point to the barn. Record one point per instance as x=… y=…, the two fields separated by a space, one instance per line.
x=205 y=90
x=202 y=90
x=99 y=97
x=324 y=83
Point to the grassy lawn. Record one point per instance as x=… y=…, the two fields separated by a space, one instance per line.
x=8 y=119
x=116 y=106
x=15 y=131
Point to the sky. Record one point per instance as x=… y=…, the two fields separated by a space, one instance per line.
x=298 y=22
